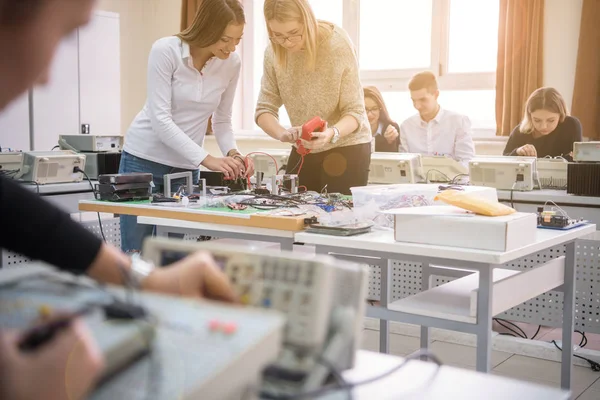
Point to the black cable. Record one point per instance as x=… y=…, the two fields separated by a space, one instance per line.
x=342 y=383
x=448 y=180
x=583 y=342
x=501 y=322
x=595 y=365
x=77 y=169
x=56 y=147
x=326 y=390
x=536 y=332
x=512 y=205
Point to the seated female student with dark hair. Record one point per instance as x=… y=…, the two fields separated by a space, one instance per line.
x=547 y=129
x=386 y=136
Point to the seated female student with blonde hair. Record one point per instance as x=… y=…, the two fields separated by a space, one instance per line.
x=385 y=131
x=311 y=68
x=547 y=129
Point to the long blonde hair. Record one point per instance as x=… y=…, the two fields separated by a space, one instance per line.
x=544 y=98
x=210 y=22
x=294 y=10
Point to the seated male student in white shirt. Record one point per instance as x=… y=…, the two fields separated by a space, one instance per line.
x=191 y=77
x=434 y=130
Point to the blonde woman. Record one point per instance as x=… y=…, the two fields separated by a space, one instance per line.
x=191 y=77
x=547 y=129
x=311 y=68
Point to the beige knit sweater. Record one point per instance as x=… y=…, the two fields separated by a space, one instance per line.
x=331 y=91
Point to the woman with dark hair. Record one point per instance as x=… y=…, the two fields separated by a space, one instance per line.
x=67 y=366
x=191 y=77
x=547 y=129
x=386 y=136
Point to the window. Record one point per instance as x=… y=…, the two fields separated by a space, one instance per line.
x=455 y=39
x=387 y=37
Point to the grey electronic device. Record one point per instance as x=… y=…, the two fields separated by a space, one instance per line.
x=552 y=173
x=168 y=178
x=10 y=161
x=91 y=143
x=507 y=173
x=97 y=164
x=45 y=167
x=322 y=297
x=391 y=168
x=197 y=349
x=586 y=151
x=442 y=169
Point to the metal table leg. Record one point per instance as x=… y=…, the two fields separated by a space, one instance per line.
x=568 y=317
x=384 y=324
x=425 y=283
x=484 y=318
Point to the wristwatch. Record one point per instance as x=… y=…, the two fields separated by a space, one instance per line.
x=336 y=135
x=139 y=271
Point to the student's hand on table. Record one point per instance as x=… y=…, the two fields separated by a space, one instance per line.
x=290 y=135
x=390 y=134
x=229 y=166
x=197 y=275
x=527 y=150
x=319 y=139
x=66 y=368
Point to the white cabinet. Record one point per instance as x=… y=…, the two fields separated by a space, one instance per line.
x=55 y=106
x=14 y=125
x=84 y=88
x=99 y=74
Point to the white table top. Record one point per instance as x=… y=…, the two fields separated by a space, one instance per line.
x=424 y=381
x=383 y=241
x=206 y=226
x=541 y=196
x=56 y=188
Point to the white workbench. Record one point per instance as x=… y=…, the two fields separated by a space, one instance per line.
x=381 y=245
x=576 y=206
x=426 y=381
x=166 y=226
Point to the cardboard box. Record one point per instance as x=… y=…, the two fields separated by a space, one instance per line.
x=455 y=227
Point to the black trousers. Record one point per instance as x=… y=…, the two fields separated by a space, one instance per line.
x=337 y=169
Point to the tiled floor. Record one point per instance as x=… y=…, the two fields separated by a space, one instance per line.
x=586 y=383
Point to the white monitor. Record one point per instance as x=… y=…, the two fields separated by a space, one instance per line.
x=507 y=173
x=442 y=169
x=390 y=168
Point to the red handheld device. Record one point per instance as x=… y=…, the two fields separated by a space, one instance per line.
x=316 y=124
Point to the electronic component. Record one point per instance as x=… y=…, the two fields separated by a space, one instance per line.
x=129 y=177
x=586 y=151
x=124 y=191
x=189 y=182
x=217 y=179
x=508 y=173
x=390 y=168
x=278 y=182
x=316 y=124
x=264 y=161
x=323 y=298
x=583 y=179
x=91 y=143
x=441 y=169
x=10 y=161
x=52 y=167
x=101 y=163
x=556 y=218
x=552 y=173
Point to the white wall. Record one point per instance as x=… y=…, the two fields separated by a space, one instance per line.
x=142 y=23
x=562 y=19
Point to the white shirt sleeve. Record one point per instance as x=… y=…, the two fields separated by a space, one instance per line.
x=464 y=148
x=403 y=138
x=221 y=120
x=161 y=65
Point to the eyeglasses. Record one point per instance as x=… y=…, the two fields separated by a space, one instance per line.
x=372 y=110
x=281 y=39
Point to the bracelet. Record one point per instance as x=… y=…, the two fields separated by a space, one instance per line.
x=233 y=152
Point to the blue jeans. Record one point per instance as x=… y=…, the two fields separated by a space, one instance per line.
x=132 y=234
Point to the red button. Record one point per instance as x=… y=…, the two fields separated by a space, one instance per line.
x=230 y=328
x=214 y=325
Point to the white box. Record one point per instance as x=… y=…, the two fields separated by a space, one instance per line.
x=371 y=202
x=455 y=227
